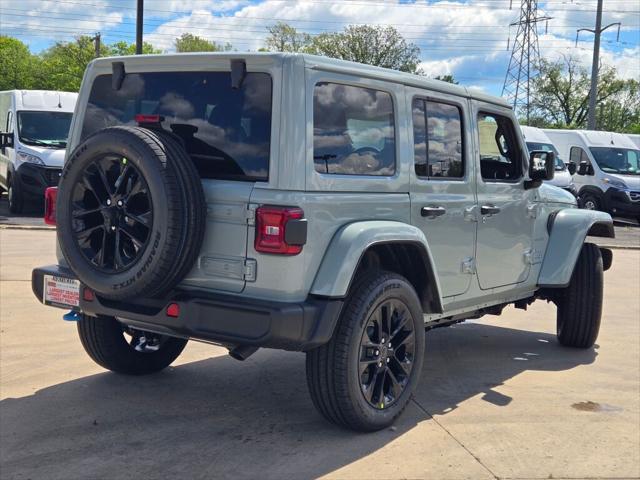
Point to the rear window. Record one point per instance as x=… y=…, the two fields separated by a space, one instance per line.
x=226 y=131
x=353 y=130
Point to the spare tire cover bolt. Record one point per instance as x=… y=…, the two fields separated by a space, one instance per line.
x=108 y=201
x=380 y=364
x=388 y=360
x=126 y=219
x=119 y=203
x=113 y=228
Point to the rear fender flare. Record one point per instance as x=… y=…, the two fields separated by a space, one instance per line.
x=350 y=243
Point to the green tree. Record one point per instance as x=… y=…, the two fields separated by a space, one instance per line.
x=373 y=45
x=560 y=96
x=285 y=38
x=63 y=64
x=188 y=42
x=16 y=64
x=123 y=47
x=447 y=78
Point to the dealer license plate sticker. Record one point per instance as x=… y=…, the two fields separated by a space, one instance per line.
x=61 y=291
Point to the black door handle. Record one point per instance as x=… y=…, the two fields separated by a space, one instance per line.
x=489 y=210
x=432 y=212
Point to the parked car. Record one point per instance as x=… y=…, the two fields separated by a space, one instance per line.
x=34 y=126
x=608 y=175
x=303 y=203
x=536 y=139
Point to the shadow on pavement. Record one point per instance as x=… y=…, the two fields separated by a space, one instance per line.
x=222 y=418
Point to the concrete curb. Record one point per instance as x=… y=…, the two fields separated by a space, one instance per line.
x=26 y=227
x=620 y=247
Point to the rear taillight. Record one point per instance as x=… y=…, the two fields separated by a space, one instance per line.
x=50 y=195
x=277 y=230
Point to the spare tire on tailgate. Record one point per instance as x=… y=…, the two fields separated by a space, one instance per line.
x=131 y=212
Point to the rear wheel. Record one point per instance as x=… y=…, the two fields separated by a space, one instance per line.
x=580 y=304
x=122 y=349
x=365 y=376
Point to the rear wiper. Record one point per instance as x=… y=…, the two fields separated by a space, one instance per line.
x=36 y=141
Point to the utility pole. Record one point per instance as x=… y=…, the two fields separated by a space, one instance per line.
x=525 y=57
x=96 y=39
x=595 y=63
x=139 y=14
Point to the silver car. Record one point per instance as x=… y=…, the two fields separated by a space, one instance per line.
x=303 y=203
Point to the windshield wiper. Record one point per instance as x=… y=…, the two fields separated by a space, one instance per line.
x=35 y=141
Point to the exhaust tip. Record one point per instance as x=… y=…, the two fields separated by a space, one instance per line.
x=242 y=352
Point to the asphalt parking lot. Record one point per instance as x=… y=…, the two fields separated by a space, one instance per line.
x=498 y=398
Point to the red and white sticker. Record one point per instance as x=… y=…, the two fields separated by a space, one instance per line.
x=61 y=291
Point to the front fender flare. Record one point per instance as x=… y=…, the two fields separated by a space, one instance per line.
x=568 y=230
x=350 y=243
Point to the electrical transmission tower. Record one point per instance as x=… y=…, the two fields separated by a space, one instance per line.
x=525 y=57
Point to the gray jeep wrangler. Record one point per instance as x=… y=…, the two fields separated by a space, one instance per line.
x=307 y=204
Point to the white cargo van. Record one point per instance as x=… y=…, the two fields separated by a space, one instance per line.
x=608 y=175
x=34 y=125
x=536 y=139
x=635 y=138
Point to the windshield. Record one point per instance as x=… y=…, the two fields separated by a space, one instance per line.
x=225 y=130
x=617 y=160
x=44 y=129
x=548 y=147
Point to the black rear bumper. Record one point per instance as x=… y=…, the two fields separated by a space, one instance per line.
x=223 y=319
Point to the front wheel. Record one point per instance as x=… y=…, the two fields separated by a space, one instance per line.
x=590 y=202
x=122 y=349
x=365 y=376
x=580 y=303
x=15 y=197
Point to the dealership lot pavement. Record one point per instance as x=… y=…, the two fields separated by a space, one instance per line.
x=498 y=399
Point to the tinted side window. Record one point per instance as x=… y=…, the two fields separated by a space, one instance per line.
x=225 y=131
x=500 y=158
x=437 y=139
x=577 y=155
x=353 y=130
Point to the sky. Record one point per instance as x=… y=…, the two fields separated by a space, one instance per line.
x=468 y=39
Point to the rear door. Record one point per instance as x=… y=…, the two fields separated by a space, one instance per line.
x=226 y=131
x=443 y=186
x=506 y=209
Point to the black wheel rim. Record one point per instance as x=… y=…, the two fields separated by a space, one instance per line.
x=387 y=350
x=111 y=214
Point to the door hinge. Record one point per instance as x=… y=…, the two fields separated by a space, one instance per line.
x=469 y=265
x=249 y=270
x=251 y=214
x=532 y=256
x=470 y=214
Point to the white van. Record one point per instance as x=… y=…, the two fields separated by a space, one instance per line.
x=635 y=138
x=608 y=175
x=536 y=139
x=34 y=125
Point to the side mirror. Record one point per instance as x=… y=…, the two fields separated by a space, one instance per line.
x=571 y=166
x=542 y=165
x=585 y=168
x=6 y=140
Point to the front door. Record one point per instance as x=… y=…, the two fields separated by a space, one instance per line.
x=505 y=225
x=443 y=188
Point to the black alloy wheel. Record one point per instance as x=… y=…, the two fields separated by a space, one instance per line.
x=387 y=350
x=111 y=214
